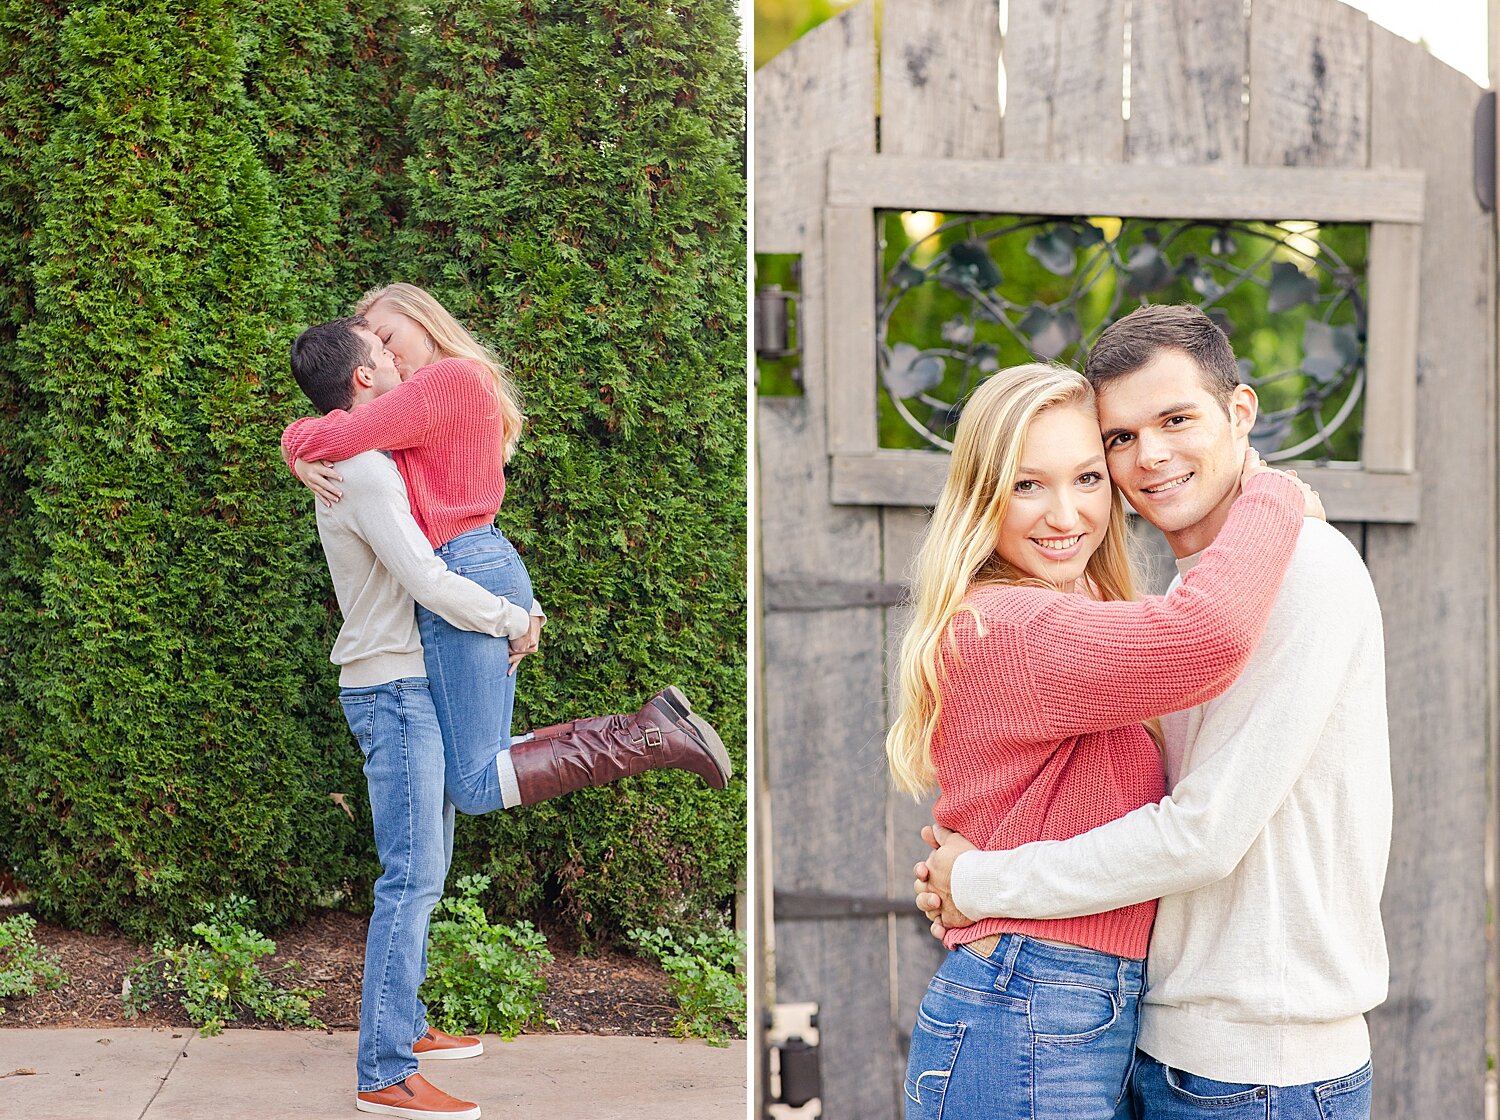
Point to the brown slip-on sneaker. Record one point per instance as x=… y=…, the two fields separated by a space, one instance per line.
x=416 y=1098
x=436 y=1044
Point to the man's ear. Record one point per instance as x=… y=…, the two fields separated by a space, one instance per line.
x=1244 y=407
x=362 y=378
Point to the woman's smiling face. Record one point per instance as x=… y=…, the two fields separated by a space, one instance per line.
x=403 y=336
x=1060 y=503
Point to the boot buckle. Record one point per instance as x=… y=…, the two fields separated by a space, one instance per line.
x=651 y=736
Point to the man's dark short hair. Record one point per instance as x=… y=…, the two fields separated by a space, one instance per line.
x=323 y=361
x=1135 y=341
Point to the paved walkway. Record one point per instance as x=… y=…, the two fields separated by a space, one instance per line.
x=159 y=1074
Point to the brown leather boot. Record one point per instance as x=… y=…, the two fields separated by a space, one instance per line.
x=416 y=1098
x=663 y=735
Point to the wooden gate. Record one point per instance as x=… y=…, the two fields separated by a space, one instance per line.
x=1226 y=100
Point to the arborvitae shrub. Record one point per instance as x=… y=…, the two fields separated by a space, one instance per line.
x=167 y=766
x=578 y=198
x=28 y=72
x=323 y=86
x=184 y=186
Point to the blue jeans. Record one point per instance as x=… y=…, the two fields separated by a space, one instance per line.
x=1164 y=1093
x=1034 y=1031
x=398 y=734
x=471 y=688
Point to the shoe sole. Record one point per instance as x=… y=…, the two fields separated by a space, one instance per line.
x=452 y=1052
x=711 y=741
x=415 y=1113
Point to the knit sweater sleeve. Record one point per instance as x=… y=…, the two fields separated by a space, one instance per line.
x=1253 y=745
x=380 y=514
x=404 y=417
x=1092 y=666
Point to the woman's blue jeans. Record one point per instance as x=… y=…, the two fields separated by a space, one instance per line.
x=1034 y=1031
x=469 y=672
x=398 y=735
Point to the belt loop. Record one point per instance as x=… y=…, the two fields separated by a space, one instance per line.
x=1011 y=942
x=1121 y=979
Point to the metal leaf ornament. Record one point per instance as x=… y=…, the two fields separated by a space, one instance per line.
x=1147 y=270
x=906 y=276
x=1049 y=332
x=909 y=372
x=1327 y=350
x=971 y=266
x=1289 y=287
x=1055 y=250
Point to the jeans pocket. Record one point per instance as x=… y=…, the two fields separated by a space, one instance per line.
x=934 y=1050
x=1071 y=1012
x=1348 y=1098
x=359 y=713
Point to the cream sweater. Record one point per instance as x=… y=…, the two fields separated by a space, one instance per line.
x=1269 y=855
x=380 y=561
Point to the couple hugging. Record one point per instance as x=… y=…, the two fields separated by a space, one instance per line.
x=1052 y=709
x=429 y=690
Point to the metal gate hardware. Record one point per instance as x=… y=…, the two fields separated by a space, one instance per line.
x=794 y=1078
x=801 y=906
x=810 y=594
x=1484 y=151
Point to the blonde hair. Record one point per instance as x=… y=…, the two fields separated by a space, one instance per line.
x=958 y=551
x=452 y=340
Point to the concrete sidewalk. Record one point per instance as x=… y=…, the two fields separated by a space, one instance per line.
x=160 y=1074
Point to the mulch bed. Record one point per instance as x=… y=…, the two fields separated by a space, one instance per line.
x=606 y=993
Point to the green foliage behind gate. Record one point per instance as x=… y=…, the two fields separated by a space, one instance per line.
x=188 y=185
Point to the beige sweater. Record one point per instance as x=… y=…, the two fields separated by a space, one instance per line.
x=1269 y=855
x=380 y=562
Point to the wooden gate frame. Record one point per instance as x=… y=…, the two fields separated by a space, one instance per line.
x=1385 y=485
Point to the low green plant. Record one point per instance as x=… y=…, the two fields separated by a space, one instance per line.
x=25 y=967
x=483 y=977
x=216 y=979
x=706 y=980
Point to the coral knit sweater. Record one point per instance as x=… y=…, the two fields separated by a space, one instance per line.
x=1040 y=737
x=443 y=427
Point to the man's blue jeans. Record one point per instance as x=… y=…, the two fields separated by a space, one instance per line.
x=1164 y=1093
x=1034 y=1031
x=398 y=734
x=471 y=687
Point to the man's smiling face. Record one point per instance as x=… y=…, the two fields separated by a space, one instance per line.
x=1172 y=449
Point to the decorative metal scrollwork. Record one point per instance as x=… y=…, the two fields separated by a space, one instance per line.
x=964 y=295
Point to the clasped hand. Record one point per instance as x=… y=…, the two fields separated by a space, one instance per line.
x=933 y=885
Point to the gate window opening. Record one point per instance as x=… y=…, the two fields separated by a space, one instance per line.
x=962 y=295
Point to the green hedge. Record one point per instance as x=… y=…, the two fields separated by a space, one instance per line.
x=579 y=196
x=186 y=185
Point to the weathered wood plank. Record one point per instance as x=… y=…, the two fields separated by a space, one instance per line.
x=1187 y=82
x=1388 y=439
x=849 y=340
x=1126 y=191
x=826 y=768
x=916 y=953
x=1309 y=84
x=939 y=78
x=1436 y=582
x=914 y=478
x=815 y=97
x=825 y=779
x=1064 y=79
